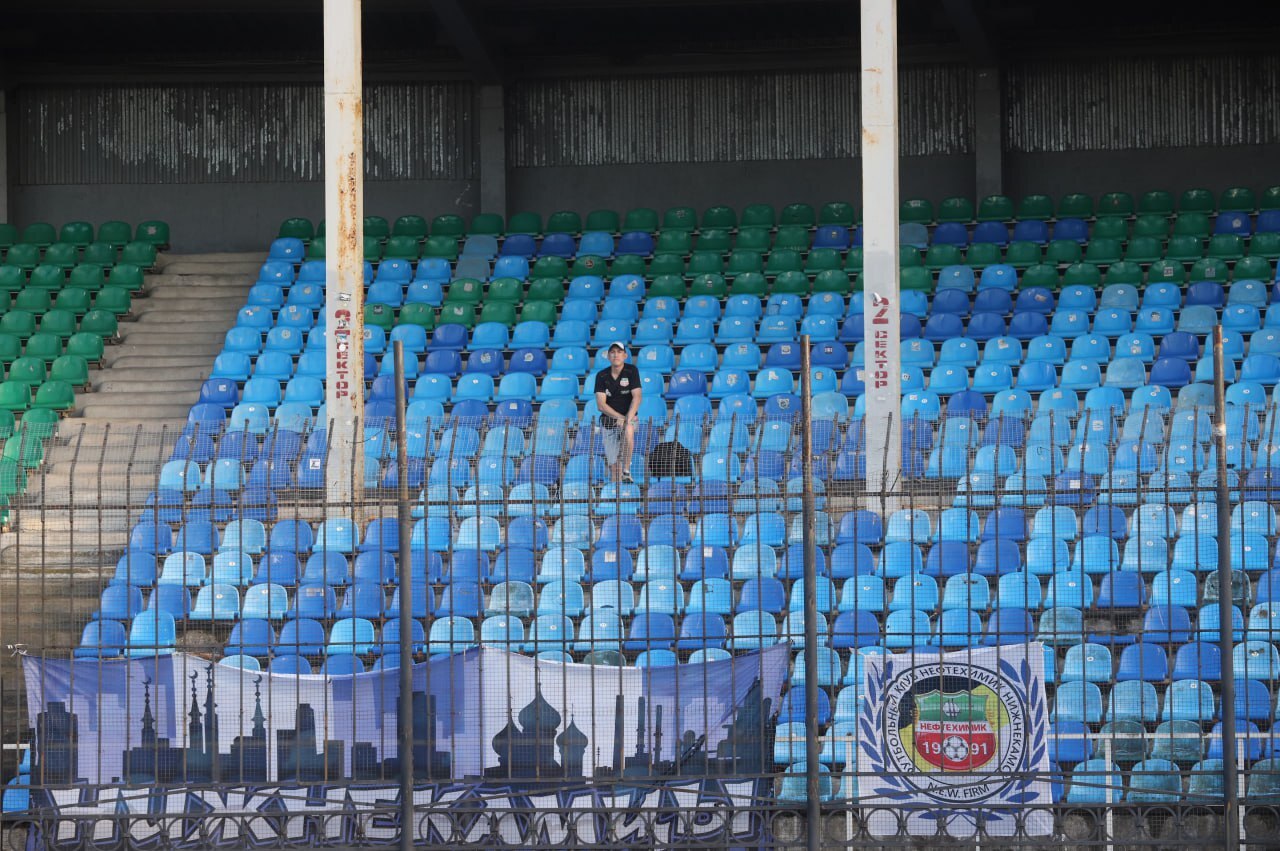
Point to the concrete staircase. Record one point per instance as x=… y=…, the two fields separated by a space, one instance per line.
x=107 y=454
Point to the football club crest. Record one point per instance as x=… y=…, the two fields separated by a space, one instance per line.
x=952 y=731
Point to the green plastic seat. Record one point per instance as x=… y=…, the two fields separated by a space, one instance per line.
x=86 y=345
x=564 y=221
x=1196 y=201
x=47 y=347
x=719 y=217
x=1075 y=205
x=757 y=216
x=1184 y=247
x=101 y=322
x=23 y=255
x=505 y=290
x=409 y=248
x=42 y=234
x=382 y=315
x=24 y=449
x=754 y=239
x=550 y=267
x=837 y=213
x=680 y=218
x=1062 y=252
x=908 y=255
x=525 y=222
x=796 y=282
x=372 y=249
x=116 y=300
x=996 y=208
x=749 y=284
x=6 y=425
x=1115 y=204
x=72 y=369
x=1157 y=201
x=603 y=220
x=750 y=261
x=1261 y=245
x=1270 y=199
x=979 y=255
x=1253 y=267
x=708 y=284
x=1124 y=272
x=75 y=299
x=6 y=300
x=943 y=255
x=1040 y=275
x=374 y=226
x=63 y=323
x=296 y=227
x=40 y=424
x=546 y=289
x=445 y=247
x=1209 y=269
x=916 y=210
x=153 y=232
x=916 y=278
x=704 y=263
x=12 y=279
x=853 y=260
x=100 y=254
x=832 y=281
x=1022 y=254
x=125 y=276
x=1193 y=223
x=55 y=395
x=45 y=277
x=1167 y=271
x=1225 y=246
x=1151 y=224
x=797 y=214
x=489 y=224
x=674 y=242
x=38 y=301
x=1237 y=199
x=139 y=253
x=1144 y=249
x=588 y=264
x=1036 y=207
x=464 y=291
x=1110 y=227
x=316 y=248
x=627 y=264
x=499 y=311
x=780 y=260
x=16 y=397
x=672 y=264
x=821 y=259
x=8 y=235
x=711 y=239
x=538 y=311
x=1103 y=250
x=1264 y=782
x=671 y=286
x=640 y=219
x=956 y=209
x=448 y=224
x=29 y=370
x=64 y=255
x=458 y=314
x=410 y=225
x=791 y=236
x=1082 y=274
x=417 y=313
x=19 y=322
x=10 y=348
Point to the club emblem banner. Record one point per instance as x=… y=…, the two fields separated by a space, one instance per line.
x=954 y=741
x=181 y=734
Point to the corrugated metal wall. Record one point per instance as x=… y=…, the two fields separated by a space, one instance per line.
x=228 y=133
x=1143 y=102
x=728 y=117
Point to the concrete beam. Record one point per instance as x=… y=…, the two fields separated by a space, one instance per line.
x=472 y=46
x=988 y=133
x=6 y=176
x=493 y=150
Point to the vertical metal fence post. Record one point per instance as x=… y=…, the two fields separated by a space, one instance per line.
x=812 y=740
x=1230 y=791
x=405 y=576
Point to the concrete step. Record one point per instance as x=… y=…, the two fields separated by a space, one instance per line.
x=150 y=384
x=131 y=359
x=139 y=334
x=163 y=408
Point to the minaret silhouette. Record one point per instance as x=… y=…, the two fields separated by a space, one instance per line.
x=259 y=720
x=210 y=724
x=195 y=729
x=148 y=720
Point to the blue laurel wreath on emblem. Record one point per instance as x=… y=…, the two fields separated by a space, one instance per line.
x=1021 y=791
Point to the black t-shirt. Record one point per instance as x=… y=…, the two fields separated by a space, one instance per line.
x=618 y=391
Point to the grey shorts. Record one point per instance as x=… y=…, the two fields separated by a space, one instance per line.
x=612 y=443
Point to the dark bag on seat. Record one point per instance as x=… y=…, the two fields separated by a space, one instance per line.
x=669 y=459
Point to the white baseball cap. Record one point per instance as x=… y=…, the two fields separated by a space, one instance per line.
x=617 y=345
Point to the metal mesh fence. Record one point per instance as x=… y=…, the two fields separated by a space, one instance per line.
x=236 y=594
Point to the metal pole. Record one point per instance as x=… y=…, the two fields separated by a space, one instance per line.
x=1230 y=790
x=812 y=739
x=404 y=722
x=344 y=259
x=880 y=263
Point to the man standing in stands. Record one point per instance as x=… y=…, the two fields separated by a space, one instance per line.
x=618 y=398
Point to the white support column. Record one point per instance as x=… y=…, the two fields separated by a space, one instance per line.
x=883 y=375
x=344 y=263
